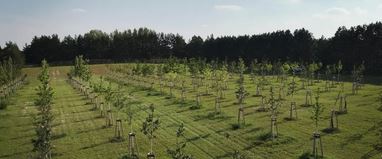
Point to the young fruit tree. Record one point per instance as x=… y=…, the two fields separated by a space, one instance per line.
x=308 y=98
x=149 y=126
x=241 y=93
x=43 y=122
x=274 y=105
x=171 y=77
x=80 y=69
x=339 y=68
x=380 y=102
x=207 y=75
x=317 y=110
x=132 y=141
x=178 y=152
x=9 y=71
x=109 y=96
x=183 y=75
x=328 y=73
x=219 y=89
x=341 y=101
x=291 y=91
x=224 y=79
x=120 y=101
x=357 y=75
x=253 y=68
x=160 y=74
x=311 y=71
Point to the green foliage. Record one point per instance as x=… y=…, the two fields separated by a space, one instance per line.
x=317 y=110
x=9 y=71
x=380 y=102
x=98 y=87
x=378 y=146
x=241 y=66
x=232 y=67
x=130 y=114
x=171 y=76
x=150 y=125
x=313 y=67
x=241 y=93
x=237 y=155
x=292 y=87
x=3 y=103
x=253 y=67
x=81 y=68
x=43 y=122
x=108 y=93
x=339 y=67
x=204 y=133
x=178 y=151
x=144 y=69
x=119 y=100
x=358 y=71
x=285 y=68
x=274 y=104
x=268 y=67
x=207 y=72
x=174 y=65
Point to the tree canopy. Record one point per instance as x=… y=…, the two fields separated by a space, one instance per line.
x=350 y=45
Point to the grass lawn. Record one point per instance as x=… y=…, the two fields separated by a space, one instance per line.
x=80 y=132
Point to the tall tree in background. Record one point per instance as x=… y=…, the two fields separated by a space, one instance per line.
x=350 y=45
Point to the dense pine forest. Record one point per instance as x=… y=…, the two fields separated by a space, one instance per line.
x=350 y=45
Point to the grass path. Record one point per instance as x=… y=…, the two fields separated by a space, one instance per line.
x=16 y=127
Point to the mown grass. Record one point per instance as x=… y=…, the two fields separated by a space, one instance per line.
x=79 y=132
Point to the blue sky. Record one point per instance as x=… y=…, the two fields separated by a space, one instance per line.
x=20 y=20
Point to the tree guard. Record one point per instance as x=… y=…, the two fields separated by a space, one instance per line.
x=109 y=118
x=132 y=145
x=317 y=146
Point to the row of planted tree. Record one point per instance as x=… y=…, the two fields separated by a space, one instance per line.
x=10 y=80
x=103 y=97
x=190 y=76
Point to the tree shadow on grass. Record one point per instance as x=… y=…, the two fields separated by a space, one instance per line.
x=23 y=137
x=58 y=136
x=94 y=145
x=351 y=139
x=371 y=154
x=253 y=130
x=197 y=138
x=13 y=155
x=90 y=130
x=212 y=116
x=83 y=120
x=265 y=139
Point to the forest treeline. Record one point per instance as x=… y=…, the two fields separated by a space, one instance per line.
x=350 y=45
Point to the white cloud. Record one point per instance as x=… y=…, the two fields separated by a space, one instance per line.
x=204 y=25
x=333 y=13
x=293 y=1
x=360 y=11
x=78 y=10
x=380 y=5
x=337 y=11
x=228 y=7
x=289 y=2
